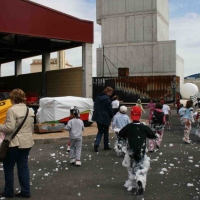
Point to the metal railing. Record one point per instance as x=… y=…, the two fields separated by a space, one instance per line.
x=194 y=97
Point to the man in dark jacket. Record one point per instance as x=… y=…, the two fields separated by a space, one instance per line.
x=102 y=116
x=135 y=159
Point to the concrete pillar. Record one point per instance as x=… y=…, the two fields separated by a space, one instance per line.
x=45 y=67
x=61 y=59
x=18 y=71
x=87 y=70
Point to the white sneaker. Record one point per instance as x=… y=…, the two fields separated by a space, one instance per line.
x=68 y=148
x=72 y=161
x=186 y=141
x=78 y=163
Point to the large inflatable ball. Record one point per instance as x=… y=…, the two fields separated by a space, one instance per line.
x=188 y=89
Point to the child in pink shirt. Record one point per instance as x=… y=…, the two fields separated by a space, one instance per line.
x=151 y=106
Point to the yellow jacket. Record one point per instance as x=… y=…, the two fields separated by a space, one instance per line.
x=14 y=117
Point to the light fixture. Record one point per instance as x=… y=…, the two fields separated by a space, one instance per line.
x=61 y=41
x=22 y=50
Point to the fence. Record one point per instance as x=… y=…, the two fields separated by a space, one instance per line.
x=129 y=89
x=194 y=97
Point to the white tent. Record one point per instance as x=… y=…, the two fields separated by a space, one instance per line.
x=57 y=108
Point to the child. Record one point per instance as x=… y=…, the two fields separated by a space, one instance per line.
x=188 y=119
x=75 y=127
x=167 y=112
x=135 y=159
x=139 y=103
x=157 y=119
x=120 y=120
x=197 y=103
x=198 y=120
x=151 y=106
x=115 y=104
x=181 y=112
x=162 y=100
x=177 y=103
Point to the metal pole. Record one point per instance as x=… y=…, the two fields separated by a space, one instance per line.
x=103 y=60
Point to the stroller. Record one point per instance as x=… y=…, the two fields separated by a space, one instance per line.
x=120 y=145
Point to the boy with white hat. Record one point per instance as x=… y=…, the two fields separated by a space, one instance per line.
x=120 y=120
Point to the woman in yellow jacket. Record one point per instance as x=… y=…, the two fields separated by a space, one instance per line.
x=19 y=147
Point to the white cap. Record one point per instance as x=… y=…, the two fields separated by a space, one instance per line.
x=123 y=109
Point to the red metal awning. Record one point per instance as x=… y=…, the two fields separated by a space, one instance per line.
x=28 y=29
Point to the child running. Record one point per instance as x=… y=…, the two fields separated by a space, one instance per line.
x=120 y=120
x=75 y=127
x=151 y=106
x=167 y=113
x=181 y=112
x=198 y=120
x=115 y=104
x=139 y=103
x=188 y=119
x=135 y=158
x=157 y=119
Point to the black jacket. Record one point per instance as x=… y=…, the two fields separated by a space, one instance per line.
x=197 y=104
x=137 y=134
x=102 y=110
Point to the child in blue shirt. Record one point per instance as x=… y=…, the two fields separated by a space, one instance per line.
x=188 y=119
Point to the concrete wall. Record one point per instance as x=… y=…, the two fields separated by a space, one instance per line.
x=110 y=7
x=162 y=29
x=163 y=9
x=31 y=82
x=134 y=28
x=142 y=59
x=65 y=82
x=132 y=20
x=9 y=81
x=180 y=68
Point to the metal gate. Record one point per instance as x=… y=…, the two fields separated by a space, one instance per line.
x=129 y=89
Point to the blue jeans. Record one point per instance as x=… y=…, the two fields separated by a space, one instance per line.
x=20 y=157
x=102 y=130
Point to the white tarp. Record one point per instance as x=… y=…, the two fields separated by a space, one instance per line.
x=57 y=108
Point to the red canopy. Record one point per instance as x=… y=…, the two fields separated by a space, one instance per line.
x=28 y=29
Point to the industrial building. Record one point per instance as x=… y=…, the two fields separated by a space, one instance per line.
x=135 y=35
x=55 y=63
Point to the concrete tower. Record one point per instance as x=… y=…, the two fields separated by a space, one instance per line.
x=135 y=34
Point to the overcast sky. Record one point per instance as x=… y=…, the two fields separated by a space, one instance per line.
x=184 y=28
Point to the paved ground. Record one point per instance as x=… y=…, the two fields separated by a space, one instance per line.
x=101 y=176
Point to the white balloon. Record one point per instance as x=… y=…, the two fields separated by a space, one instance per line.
x=188 y=89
